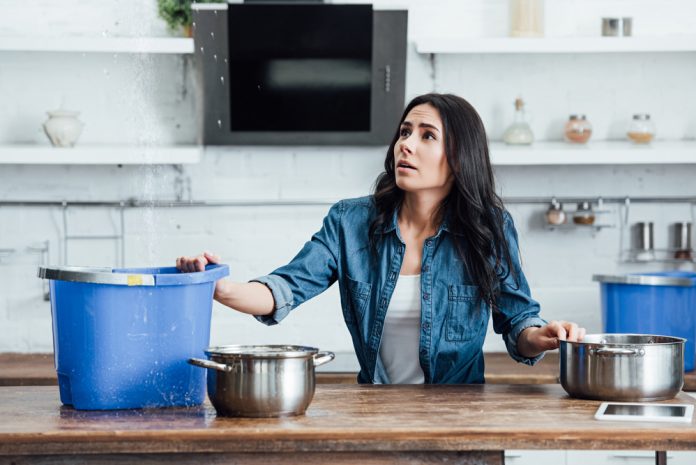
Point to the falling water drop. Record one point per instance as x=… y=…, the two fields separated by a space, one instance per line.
x=215 y=11
x=202 y=50
x=194 y=24
x=212 y=35
x=225 y=60
x=222 y=80
x=220 y=124
x=215 y=57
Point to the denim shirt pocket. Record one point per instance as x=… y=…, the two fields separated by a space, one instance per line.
x=466 y=314
x=356 y=299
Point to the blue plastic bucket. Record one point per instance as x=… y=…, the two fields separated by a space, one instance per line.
x=661 y=303
x=122 y=337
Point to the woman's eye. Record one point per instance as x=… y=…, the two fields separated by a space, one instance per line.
x=429 y=135
x=404 y=132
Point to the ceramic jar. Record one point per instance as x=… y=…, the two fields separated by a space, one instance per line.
x=63 y=128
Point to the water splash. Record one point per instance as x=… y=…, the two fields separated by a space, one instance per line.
x=222 y=80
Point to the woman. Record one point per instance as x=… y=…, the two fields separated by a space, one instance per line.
x=421 y=264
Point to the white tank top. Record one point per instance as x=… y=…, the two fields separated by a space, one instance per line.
x=401 y=334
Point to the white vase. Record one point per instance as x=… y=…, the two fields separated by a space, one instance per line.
x=63 y=128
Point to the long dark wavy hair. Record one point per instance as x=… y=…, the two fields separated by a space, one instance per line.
x=474 y=212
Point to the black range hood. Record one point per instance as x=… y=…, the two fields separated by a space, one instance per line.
x=298 y=74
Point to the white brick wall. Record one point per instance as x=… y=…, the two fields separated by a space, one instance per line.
x=147 y=99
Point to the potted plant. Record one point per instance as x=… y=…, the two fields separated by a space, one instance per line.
x=177 y=14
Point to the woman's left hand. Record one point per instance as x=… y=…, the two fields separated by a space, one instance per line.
x=535 y=340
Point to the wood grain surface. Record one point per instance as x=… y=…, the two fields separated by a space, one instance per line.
x=341 y=418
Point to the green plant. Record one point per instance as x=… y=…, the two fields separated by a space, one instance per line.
x=177 y=13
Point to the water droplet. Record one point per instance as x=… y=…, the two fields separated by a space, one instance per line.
x=225 y=60
x=194 y=24
x=202 y=51
x=259 y=87
x=215 y=11
x=220 y=124
x=105 y=33
x=106 y=72
x=215 y=57
x=222 y=80
x=212 y=34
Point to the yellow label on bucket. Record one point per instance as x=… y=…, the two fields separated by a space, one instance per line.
x=135 y=280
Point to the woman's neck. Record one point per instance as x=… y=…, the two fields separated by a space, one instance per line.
x=420 y=215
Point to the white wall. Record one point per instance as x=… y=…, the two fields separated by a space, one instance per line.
x=143 y=99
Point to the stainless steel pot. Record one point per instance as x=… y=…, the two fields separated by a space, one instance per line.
x=261 y=381
x=623 y=367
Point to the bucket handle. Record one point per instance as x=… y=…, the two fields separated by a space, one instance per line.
x=321 y=358
x=620 y=351
x=210 y=364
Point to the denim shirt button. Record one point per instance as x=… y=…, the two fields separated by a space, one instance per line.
x=426 y=268
x=426 y=326
x=427 y=243
x=426 y=296
x=423 y=352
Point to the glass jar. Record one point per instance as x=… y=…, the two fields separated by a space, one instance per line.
x=519 y=132
x=526 y=18
x=641 y=130
x=584 y=214
x=555 y=214
x=577 y=130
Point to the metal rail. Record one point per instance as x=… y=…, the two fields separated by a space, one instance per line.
x=136 y=203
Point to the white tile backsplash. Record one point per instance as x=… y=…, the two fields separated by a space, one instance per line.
x=148 y=99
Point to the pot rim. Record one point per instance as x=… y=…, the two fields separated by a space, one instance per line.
x=672 y=340
x=271 y=351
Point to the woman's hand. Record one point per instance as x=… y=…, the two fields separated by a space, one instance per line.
x=535 y=340
x=193 y=264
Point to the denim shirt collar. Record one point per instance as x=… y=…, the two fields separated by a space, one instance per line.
x=394 y=225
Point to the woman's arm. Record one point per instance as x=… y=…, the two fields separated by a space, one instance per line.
x=252 y=298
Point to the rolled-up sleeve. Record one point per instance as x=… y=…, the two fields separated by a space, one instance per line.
x=516 y=310
x=311 y=272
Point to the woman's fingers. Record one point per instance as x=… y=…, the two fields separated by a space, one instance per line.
x=195 y=264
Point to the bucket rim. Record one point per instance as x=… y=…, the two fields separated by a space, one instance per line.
x=164 y=276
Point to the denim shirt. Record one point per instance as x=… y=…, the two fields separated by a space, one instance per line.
x=453 y=320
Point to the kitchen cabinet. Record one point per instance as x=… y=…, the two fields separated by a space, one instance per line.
x=626 y=457
x=535 y=457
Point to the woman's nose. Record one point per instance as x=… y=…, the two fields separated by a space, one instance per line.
x=405 y=146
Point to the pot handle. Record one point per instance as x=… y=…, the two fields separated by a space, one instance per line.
x=209 y=364
x=321 y=358
x=619 y=351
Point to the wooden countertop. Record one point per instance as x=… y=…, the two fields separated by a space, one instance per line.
x=341 y=418
x=38 y=370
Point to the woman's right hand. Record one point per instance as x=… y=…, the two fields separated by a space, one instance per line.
x=194 y=264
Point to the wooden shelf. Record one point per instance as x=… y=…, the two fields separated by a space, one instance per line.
x=595 y=153
x=171 y=45
x=99 y=155
x=686 y=43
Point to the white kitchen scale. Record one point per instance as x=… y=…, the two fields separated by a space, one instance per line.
x=628 y=411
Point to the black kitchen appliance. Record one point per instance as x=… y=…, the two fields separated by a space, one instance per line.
x=298 y=74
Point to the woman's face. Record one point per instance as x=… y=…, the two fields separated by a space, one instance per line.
x=420 y=162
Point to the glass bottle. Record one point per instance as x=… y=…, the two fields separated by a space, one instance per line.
x=641 y=130
x=526 y=18
x=555 y=214
x=577 y=129
x=584 y=214
x=519 y=132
